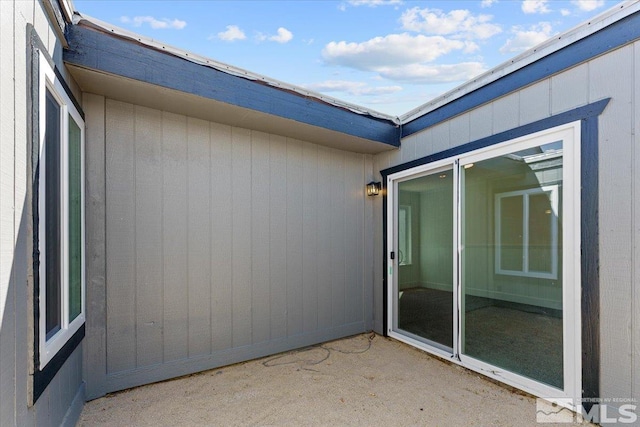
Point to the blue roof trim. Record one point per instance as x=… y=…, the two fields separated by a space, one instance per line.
x=581 y=113
x=108 y=53
x=617 y=34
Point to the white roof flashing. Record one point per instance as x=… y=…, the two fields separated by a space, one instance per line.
x=226 y=68
x=530 y=56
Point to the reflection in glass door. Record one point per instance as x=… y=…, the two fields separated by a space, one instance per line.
x=511 y=233
x=425 y=257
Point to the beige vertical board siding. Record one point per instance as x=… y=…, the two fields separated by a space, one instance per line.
x=175 y=214
x=440 y=137
x=459 y=130
x=535 y=102
x=22 y=261
x=635 y=179
x=354 y=237
x=15 y=260
x=250 y=242
x=7 y=229
x=424 y=144
x=41 y=24
x=310 y=208
x=241 y=246
x=338 y=229
x=221 y=237
x=294 y=237
x=278 y=236
x=379 y=163
x=481 y=121
x=408 y=149
x=612 y=76
x=149 y=261
x=198 y=236
x=506 y=112
x=368 y=275
x=120 y=236
x=569 y=89
x=324 y=235
x=395 y=157
x=95 y=196
x=260 y=235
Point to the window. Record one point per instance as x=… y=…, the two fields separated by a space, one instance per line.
x=404 y=235
x=526 y=230
x=60 y=212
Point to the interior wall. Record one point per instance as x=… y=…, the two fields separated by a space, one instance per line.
x=62 y=400
x=613 y=75
x=410 y=275
x=436 y=241
x=219 y=244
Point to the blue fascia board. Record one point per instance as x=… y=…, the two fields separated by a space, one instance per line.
x=615 y=35
x=585 y=112
x=106 y=53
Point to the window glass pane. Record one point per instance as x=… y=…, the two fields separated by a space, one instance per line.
x=404 y=235
x=511 y=233
x=52 y=255
x=425 y=283
x=511 y=316
x=75 y=220
x=540 y=230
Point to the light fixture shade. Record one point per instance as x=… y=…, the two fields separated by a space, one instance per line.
x=373 y=188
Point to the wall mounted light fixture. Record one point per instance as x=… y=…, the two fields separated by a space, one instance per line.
x=373 y=188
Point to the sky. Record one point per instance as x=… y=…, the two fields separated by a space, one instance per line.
x=389 y=56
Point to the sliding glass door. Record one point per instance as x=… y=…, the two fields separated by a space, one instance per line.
x=425 y=259
x=483 y=263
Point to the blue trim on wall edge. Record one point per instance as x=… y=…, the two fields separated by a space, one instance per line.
x=589 y=227
x=615 y=35
x=590 y=110
x=92 y=49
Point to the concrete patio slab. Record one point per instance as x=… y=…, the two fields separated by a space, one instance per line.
x=366 y=380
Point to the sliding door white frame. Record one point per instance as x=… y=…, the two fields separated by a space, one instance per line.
x=569 y=134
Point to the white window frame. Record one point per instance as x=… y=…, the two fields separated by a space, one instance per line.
x=526 y=272
x=404 y=258
x=49 y=81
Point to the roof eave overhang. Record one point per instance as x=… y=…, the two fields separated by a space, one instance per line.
x=124 y=69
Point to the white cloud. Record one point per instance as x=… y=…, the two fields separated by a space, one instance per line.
x=374 y=3
x=433 y=73
x=526 y=38
x=470 y=47
x=535 y=6
x=156 y=24
x=457 y=23
x=283 y=36
x=488 y=3
x=352 y=88
x=565 y=12
x=405 y=57
x=394 y=50
x=232 y=33
x=588 y=5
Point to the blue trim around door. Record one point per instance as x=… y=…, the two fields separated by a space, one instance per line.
x=589 y=226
